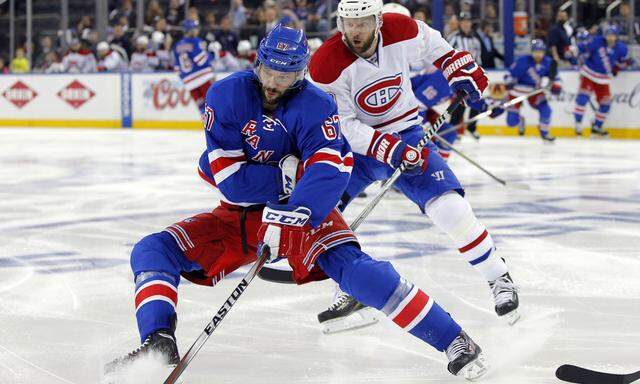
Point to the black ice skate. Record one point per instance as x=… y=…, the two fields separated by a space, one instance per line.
x=465 y=358
x=598 y=131
x=346 y=313
x=547 y=137
x=161 y=343
x=505 y=295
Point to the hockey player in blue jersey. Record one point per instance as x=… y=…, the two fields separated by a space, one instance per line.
x=432 y=88
x=525 y=76
x=276 y=154
x=193 y=62
x=604 y=56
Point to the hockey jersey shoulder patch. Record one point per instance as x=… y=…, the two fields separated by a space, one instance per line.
x=330 y=60
x=397 y=28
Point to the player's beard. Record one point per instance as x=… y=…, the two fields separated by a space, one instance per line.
x=271 y=100
x=365 y=47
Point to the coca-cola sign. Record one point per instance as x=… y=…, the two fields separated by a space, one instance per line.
x=166 y=94
x=19 y=94
x=76 y=94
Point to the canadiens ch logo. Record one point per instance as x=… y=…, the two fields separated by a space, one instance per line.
x=380 y=96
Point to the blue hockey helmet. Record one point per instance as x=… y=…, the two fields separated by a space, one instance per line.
x=190 y=24
x=284 y=49
x=611 y=29
x=538 y=45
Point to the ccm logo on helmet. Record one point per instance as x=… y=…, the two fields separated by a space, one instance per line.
x=378 y=97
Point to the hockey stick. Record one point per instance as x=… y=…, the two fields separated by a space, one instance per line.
x=285 y=277
x=217 y=319
x=488 y=112
x=496 y=178
x=574 y=374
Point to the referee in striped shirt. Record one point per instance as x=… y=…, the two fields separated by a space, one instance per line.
x=466 y=39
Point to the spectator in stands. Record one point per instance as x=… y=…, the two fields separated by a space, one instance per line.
x=558 y=41
x=52 y=64
x=78 y=59
x=161 y=43
x=154 y=12
x=449 y=10
x=542 y=23
x=451 y=27
x=124 y=23
x=226 y=37
x=491 y=14
x=301 y=11
x=109 y=60
x=126 y=10
x=421 y=15
x=627 y=23
x=46 y=46
x=20 y=64
x=193 y=14
x=238 y=14
x=119 y=38
x=92 y=39
x=489 y=51
x=175 y=14
x=161 y=25
x=270 y=21
x=3 y=68
x=83 y=29
x=210 y=27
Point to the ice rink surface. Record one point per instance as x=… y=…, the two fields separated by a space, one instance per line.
x=73 y=202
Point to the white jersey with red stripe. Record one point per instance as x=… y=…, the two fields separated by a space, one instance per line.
x=192 y=62
x=143 y=61
x=377 y=95
x=112 y=62
x=81 y=61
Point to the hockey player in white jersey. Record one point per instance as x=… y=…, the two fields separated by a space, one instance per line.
x=78 y=59
x=143 y=59
x=366 y=68
x=109 y=60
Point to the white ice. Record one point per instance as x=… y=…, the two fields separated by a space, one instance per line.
x=72 y=203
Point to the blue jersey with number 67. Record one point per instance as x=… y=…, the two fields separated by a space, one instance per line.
x=193 y=62
x=245 y=144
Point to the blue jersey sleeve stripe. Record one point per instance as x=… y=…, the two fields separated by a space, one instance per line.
x=333 y=158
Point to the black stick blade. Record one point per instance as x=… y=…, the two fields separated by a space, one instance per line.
x=573 y=374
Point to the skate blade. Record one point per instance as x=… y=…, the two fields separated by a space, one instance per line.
x=359 y=319
x=511 y=317
x=128 y=375
x=475 y=369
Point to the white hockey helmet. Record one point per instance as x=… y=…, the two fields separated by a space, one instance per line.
x=244 y=46
x=396 y=8
x=142 y=40
x=157 y=37
x=355 y=9
x=102 y=46
x=352 y=9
